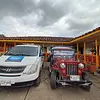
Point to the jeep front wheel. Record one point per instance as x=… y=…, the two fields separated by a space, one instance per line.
x=53 y=83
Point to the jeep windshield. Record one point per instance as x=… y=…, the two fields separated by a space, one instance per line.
x=23 y=50
x=67 y=54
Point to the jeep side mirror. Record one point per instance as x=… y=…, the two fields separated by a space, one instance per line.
x=79 y=59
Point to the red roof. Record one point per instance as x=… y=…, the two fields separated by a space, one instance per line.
x=39 y=38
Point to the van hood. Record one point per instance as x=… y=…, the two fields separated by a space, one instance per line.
x=6 y=60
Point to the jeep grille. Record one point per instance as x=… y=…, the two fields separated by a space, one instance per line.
x=71 y=69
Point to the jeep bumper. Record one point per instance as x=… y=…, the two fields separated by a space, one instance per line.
x=74 y=83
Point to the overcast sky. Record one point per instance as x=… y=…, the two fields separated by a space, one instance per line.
x=65 y=18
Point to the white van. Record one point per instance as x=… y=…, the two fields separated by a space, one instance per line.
x=21 y=66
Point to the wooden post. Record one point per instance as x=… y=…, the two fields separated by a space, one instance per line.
x=97 y=57
x=99 y=50
x=77 y=51
x=14 y=43
x=85 y=52
x=43 y=47
x=4 y=48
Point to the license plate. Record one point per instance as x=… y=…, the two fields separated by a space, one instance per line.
x=74 y=78
x=5 y=83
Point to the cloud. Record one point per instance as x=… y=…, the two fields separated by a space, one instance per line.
x=52 y=12
x=65 y=18
x=16 y=27
x=16 y=8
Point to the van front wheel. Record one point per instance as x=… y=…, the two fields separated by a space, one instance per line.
x=37 y=81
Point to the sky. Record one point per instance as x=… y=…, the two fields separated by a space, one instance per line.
x=58 y=18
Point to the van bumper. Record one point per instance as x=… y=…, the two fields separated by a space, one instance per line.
x=18 y=80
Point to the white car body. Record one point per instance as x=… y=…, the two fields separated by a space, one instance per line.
x=13 y=71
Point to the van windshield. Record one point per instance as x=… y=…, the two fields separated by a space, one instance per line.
x=23 y=50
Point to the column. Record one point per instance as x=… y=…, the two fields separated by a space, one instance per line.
x=85 y=52
x=97 y=57
x=77 y=51
x=14 y=43
x=4 y=48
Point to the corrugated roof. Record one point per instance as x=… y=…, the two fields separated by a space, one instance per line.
x=39 y=38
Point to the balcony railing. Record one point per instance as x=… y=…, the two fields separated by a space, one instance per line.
x=89 y=58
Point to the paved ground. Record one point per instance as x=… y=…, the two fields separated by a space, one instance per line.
x=44 y=92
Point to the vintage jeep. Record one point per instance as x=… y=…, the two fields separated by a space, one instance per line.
x=65 y=70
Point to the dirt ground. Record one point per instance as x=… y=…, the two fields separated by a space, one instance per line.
x=44 y=92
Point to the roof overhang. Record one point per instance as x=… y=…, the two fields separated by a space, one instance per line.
x=88 y=37
x=31 y=41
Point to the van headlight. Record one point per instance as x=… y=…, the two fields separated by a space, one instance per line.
x=81 y=66
x=31 y=70
x=62 y=65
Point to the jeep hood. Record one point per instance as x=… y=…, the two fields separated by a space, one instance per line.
x=6 y=60
x=66 y=60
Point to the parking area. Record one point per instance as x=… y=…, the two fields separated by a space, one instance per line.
x=44 y=92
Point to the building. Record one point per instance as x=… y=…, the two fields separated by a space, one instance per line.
x=87 y=46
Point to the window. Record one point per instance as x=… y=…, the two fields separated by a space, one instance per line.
x=23 y=50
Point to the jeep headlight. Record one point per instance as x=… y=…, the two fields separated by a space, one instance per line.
x=32 y=69
x=81 y=66
x=62 y=65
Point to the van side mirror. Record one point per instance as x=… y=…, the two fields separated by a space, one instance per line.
x=41 y=54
